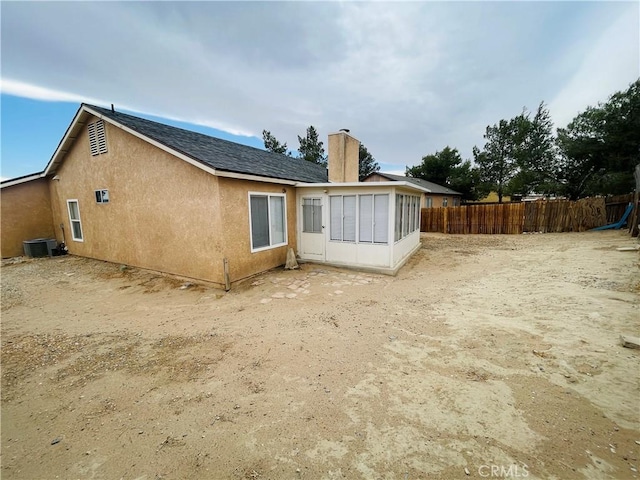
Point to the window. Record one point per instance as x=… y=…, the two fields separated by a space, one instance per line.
x=343 y=217
x=428 y=202
x=97 y=138
x=102 y=196
x=366 y=215
x=407 y=215
x=74 y=219
x=373 y=217
x=312 y=215
x=445 y=201
x=268 y=225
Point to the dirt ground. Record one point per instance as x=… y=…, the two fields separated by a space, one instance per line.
x=486 y=357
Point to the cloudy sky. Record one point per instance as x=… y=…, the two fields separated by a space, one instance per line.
x=406 y=78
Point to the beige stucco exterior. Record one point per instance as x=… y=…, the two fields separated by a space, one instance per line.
x=426 y=199
x=168 y=212
x=163 y=213
x=344 y=154
x=25 y=210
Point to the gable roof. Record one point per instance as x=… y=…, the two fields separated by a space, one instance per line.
x=212 y=154
x=433 y=187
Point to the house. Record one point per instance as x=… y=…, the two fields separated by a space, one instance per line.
x=492 y=197
x=128 y=190
x=434 y=195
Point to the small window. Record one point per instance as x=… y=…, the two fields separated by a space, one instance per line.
x=102 y=196
x=267 y=221
x=312 y=215
x=97 y=138
x=428 y=202
x=74 y=220
x=445 y=201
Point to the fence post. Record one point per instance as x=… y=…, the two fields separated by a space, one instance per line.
x=445 y=221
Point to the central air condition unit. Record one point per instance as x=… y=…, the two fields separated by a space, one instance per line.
x=39 y=247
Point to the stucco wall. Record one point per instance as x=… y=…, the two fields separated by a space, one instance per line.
x=163 y=213
x=344 y=151
x=234 y=198
x=437 y=200
x=25 y=210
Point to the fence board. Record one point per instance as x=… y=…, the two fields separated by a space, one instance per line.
x=515 y=218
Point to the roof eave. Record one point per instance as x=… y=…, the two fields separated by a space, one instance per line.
x=393 y=183
x=24 y=179
x=77 y=124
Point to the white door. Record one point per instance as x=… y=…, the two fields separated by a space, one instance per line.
x=312 y=235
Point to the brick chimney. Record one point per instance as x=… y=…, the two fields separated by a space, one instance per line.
x=344 y=156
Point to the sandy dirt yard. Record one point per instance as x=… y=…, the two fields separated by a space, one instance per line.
x=486 y=357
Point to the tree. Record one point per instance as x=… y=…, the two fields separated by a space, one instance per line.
x=601 y=146
x=466 y=179
x=447 y=168
x=366 y=164
x=438 y=167
x=497 y=163
x=272 y=144
x=535 y=153
x=311 y=148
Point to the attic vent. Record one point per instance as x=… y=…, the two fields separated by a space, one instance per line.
x=97 y=138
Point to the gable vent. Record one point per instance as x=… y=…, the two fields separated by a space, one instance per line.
x=97 y=138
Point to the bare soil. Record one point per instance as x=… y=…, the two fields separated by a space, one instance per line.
x=486 y=357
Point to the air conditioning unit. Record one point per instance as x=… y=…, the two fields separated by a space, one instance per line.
x=39 y=247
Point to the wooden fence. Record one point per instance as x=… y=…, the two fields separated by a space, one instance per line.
x=616 y=205
x=514 y=218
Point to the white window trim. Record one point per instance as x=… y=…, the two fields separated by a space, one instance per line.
x=357 y=218
x=79 y=220
x=286 y=234
x=102 y=196
x=409 y=215
x=313 y=207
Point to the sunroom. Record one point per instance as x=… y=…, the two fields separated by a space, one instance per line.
x=367 y=226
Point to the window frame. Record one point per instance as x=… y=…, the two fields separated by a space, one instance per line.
x=358 y=218
x=269 y=195
x=72 y=220
x=407 y=219
x=102 y=192
x=356 y=222
x=314 y=214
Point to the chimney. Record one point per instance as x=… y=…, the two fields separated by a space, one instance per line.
x=344 y=157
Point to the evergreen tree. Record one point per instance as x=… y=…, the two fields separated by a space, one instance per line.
x=311 y=148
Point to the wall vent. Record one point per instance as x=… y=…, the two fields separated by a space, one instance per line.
x=39 y=247
x=97 y=138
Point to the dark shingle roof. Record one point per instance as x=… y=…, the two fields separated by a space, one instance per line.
x=434 y=187
x=221 y=154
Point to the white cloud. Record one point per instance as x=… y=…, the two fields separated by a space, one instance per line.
x=407 y=78
x=22 y=89
x=610 y=65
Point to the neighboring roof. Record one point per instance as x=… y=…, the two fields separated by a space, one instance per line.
x=432 y=187
x=18 y=180
x=217 y=154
